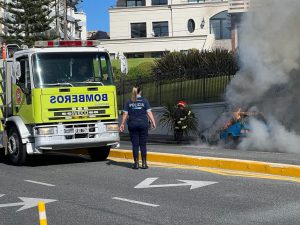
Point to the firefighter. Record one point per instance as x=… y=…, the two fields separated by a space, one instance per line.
x=181 y=116
x=138 y=110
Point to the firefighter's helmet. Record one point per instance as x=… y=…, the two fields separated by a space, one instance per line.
x=181 y=103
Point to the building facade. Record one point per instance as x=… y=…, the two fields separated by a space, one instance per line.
x=149 y=28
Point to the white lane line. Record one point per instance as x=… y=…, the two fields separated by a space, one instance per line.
x=1 y=195
x=41 y=183
x=135 y=202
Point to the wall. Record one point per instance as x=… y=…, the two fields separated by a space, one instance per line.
x=176 y=15
x=206 y=113
x=153 y=44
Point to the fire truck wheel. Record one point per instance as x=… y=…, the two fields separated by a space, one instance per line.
x=99 y=154
x=16 y=149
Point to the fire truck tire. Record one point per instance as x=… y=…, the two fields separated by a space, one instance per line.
x=16 y=149
x=99 y=154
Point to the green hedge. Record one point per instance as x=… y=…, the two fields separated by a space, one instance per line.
x=136 y=67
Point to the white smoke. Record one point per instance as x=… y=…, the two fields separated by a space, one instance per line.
x=270 y=137
x=269 y=79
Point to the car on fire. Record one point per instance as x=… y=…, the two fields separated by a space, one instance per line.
x=230 y=128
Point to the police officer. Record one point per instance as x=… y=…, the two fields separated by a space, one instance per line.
x=138 y=110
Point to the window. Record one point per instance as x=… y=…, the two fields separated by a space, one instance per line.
x=138 y=30
x=134 y=3
x=135 y=55
x=159 y=2
x=24 y=80
x=71 y=69
x=158 y=54
x=203 y=1
x=191 y=25
x=220 y=26
x=160 y=29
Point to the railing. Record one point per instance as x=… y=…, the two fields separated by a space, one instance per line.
x=209 y=88
x=238 y=6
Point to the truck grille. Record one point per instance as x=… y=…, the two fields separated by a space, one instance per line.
x=76 y=131
x=79 y=112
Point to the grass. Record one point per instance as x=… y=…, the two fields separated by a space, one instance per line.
x=131 y=62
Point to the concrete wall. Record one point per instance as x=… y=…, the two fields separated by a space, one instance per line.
x=206 y=113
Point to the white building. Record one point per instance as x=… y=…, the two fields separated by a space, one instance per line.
x=76 y=21
x=148 y=28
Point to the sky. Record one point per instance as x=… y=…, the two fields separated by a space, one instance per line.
x=97 y=13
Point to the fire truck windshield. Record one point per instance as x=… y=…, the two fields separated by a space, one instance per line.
x=71 y=69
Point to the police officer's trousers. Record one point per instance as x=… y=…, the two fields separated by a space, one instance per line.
x=138 y=134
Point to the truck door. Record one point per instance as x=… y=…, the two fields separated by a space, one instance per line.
x=22 y=92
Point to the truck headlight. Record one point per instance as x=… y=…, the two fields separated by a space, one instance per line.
x=112 y=127
x=45 y=130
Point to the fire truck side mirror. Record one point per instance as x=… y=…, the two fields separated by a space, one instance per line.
x=17 y=70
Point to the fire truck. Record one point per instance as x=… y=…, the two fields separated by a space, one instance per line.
x=55 y=96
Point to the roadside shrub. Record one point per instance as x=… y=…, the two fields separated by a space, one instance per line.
x=167 y=119
x=195 y=64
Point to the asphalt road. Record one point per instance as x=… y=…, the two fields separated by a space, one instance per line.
x=89 y=193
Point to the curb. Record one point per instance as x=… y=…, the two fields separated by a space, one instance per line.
x=212 y=162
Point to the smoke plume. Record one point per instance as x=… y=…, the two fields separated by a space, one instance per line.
x=269 y=79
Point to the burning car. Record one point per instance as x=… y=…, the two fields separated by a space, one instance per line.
x=230 y=128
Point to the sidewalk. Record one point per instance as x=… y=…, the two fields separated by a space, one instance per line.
x=163 y=149
x=166 y=144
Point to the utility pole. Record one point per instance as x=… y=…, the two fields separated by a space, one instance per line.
x=65 y=20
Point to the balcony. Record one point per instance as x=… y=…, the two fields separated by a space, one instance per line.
x=238 y=6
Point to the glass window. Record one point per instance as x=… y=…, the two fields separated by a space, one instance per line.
x=158 y=54
x=135 y=55
x=133 y=3
x=159 y=2
x=160 y=29
x=220 y=26
x=191 y=25
x=71 y=69
x=196 y=1
x=138 y=30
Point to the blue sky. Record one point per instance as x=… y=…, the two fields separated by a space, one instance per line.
x=97 y=13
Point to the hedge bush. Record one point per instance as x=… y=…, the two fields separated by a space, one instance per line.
x=195 y=64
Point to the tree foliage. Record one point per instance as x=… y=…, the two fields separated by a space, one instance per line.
x=195 y=64
x=27 y=21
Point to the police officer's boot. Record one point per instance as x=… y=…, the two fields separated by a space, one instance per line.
x=136 y=163
x=144 y=163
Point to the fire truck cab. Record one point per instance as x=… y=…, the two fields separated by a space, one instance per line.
x=58 y=95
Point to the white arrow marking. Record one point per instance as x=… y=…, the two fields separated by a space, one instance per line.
x=1 y=195
x=193 y=183
x=41 y=183
x=135 y=202
x=27 y=203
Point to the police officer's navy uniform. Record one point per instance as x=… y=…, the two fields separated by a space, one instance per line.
x=138 y=125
